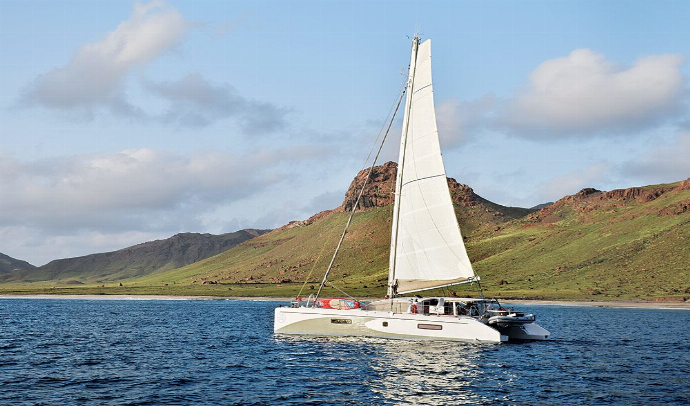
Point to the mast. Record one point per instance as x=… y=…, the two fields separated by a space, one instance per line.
x=401 y=162
x=427 y=249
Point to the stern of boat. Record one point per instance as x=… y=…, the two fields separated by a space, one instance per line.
x=526 y=332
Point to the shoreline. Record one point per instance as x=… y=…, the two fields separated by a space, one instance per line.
x=539 y=302
x=584 y=303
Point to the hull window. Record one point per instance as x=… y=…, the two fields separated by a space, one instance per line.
x=429 y=326
x=341 y=321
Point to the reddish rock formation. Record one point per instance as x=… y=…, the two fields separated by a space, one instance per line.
x=641 y=194
x=590 y=199
x=380 y=188
x=623 y=194
x=676 y=209
x=462 y=194
x=306 y=222
x=584 y=193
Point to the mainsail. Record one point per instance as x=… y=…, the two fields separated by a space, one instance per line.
x=427 y=250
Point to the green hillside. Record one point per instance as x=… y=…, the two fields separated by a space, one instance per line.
x=138 y=260
x=626 y=244
x=9 y=264
x=632 y=243
x=623 y=244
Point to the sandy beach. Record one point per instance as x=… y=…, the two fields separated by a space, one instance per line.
x=621 y=304
x=629 y=304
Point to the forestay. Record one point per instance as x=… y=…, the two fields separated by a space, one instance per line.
x=427 y=250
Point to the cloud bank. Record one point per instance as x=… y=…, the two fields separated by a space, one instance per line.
x=663 y=164
x=581 y=95
x=135 y=190
x=94 y=76
x=97 y=75
x=196 y=102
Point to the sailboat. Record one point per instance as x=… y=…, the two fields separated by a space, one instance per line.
x=426 y=252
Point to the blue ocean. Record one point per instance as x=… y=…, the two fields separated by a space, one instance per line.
x=223 y=352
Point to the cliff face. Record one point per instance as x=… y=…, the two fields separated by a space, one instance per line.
x=380 y=189
x=593 y=200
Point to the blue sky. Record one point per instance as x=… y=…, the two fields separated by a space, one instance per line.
x=123 y=122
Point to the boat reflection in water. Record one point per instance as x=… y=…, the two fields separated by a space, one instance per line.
x=370 y=370
x=428 y=373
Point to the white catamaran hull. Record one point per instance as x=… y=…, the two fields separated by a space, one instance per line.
x=357 y=322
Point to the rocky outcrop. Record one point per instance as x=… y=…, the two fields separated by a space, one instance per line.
x=584 y=194
x=589 y=199
x=380 y=189
x=462 y=194
x=676 y=209
x=303 y=223
x=640 y=194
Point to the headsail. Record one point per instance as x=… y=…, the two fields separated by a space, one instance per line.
x=427 y=250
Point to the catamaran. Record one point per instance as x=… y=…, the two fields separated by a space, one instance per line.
x=426 y=252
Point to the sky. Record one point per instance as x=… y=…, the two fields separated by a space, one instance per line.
x=123 y=122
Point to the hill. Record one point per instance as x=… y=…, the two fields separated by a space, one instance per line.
x=625 y=243
x=273 y=263
x=136 y=261
x=622 y=244
x=9 y=264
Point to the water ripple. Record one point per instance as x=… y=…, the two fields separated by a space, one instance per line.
x=223 y=352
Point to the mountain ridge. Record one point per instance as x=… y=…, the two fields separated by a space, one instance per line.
x=134 y=261
x=9 y=264
x=615 y=245
x=606 y=245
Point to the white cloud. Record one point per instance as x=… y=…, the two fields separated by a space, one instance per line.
x=459 y=121
x=585 y=94
x=94 y=77
x=195 y=102
x=595 y=175
x=663 y=164
x=135 y=190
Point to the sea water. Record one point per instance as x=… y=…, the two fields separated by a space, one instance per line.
x=223 y=352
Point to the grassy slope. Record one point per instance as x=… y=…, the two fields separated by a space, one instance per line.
x=622 y=249
x=608 y=249
x=131 y=262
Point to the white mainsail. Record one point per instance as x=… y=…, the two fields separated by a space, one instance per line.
x=427 y=250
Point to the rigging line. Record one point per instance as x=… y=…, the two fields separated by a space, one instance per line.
x=361 y=192
x=418 y=179
x=391 y=110
x=311 y=271
x=342 y=291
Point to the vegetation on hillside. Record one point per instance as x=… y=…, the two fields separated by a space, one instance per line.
x=139 y=260
x=623 y=244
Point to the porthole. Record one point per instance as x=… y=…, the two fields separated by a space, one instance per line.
x=341 y=321
x=429 y=326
